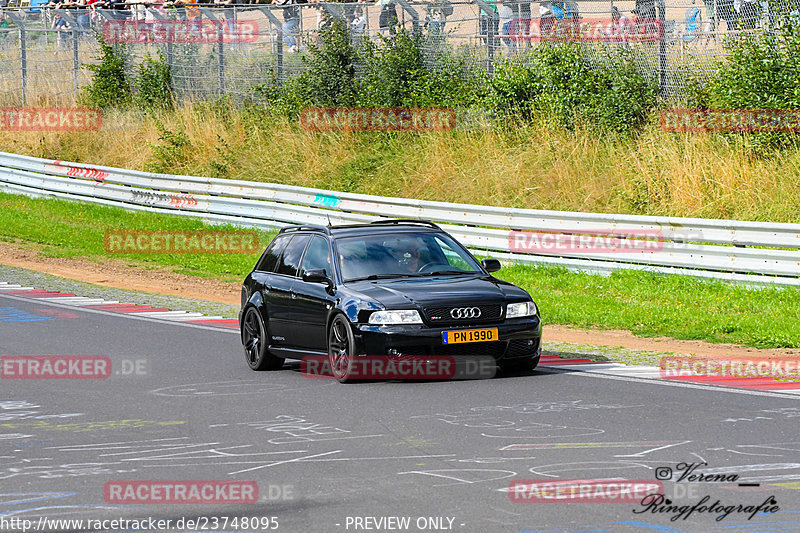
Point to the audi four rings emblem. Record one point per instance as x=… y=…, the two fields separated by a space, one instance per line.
x=465 y=312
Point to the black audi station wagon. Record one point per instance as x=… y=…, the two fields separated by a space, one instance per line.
x=392 y=288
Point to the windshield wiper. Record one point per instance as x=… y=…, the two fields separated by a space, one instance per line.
x=443 y=272
x=383 y=276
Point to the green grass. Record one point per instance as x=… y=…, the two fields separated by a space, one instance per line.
x=650 y=304
x=646 y=304
x=71 y=229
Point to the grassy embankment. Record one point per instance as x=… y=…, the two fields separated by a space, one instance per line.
x=674 y=306
x=654 y=172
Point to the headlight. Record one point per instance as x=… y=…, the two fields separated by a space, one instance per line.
x=521 y=309
x=395 y=317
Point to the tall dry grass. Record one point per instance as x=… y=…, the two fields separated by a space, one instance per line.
x=655 y=172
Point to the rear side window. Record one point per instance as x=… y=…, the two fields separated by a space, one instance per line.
x=289 y=263
x=270 y=258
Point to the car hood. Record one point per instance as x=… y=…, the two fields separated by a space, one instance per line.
x=403 y=293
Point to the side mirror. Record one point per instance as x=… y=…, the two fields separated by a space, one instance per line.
x=317 y=276
x=491 y=265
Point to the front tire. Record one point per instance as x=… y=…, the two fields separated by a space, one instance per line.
x=254 y=339
x=341 y=348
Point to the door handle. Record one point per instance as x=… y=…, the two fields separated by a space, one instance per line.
x=293 y=294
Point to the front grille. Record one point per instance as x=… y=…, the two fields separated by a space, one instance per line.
x=521 y=348
x=441 y=314
x=491 y=349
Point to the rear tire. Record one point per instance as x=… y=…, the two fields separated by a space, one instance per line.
x=341 y=348
x=254 y=340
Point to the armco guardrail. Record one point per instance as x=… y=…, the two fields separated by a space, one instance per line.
x=725 y=249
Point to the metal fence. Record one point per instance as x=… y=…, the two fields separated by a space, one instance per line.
x=752 y=252
x=42 y=49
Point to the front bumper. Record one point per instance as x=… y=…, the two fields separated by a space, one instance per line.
x=518 y=338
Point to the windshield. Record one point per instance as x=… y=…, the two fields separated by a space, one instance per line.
x=398 y=255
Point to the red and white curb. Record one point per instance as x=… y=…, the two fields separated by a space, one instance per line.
x=654 y=372
x=115 y=306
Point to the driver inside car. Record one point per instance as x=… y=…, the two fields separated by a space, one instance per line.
x=407 y=254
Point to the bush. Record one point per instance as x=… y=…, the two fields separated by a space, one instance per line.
x=329 y=78
x=153 y=84
x=398 y=74
x=343 y=71
x=562 y=87
x=109 y=86
x=173 y=154
x=761 y=71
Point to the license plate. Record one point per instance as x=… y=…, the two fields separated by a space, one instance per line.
x=470 y=335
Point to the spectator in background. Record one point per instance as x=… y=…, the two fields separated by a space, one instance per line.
x=437 y=13
x=118 y=7
x=388 y=16
x=507 y=25
x=82 y=15
x=324 y=19
x=291 y=23
x=645 y=9
x=622 y=25
x=359 y=23
x=62 y=29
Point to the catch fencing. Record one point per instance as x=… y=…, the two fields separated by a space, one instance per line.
x=752 y=252
x=42 y=50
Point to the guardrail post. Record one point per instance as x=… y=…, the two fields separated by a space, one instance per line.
x=23 y=54
x=279 y=45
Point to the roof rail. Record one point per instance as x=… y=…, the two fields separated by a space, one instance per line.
x=306 y=227
x=406 y=221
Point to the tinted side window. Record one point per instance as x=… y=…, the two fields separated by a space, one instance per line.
x=317 y=257
x=274 y=251
x=289 y=263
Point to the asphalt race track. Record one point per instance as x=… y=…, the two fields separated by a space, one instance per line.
x=180 y=404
